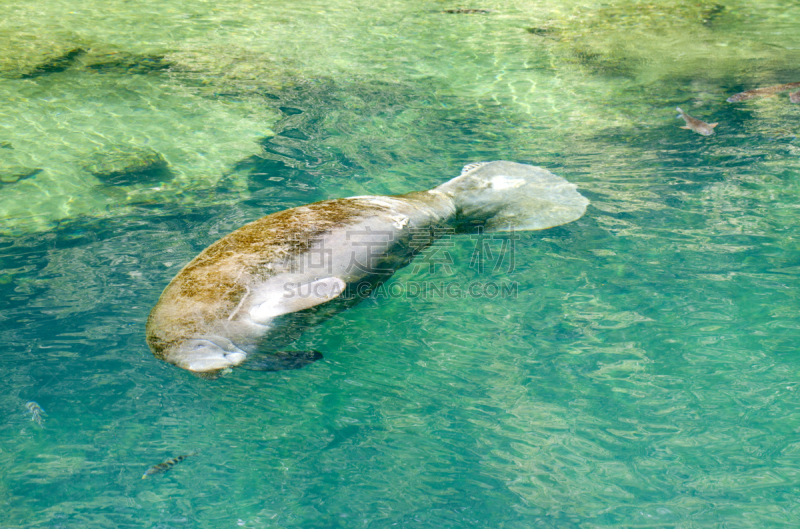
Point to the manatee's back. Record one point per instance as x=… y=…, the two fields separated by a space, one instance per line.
x=207 y=291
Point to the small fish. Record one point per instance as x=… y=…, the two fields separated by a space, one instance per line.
x=463 y=11
x=166 y=465
x=795 y=97
x=36 y=412
x=762 y=92
x=700 y=127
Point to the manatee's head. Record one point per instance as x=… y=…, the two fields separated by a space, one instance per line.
x=205 y=355
x=192 y=333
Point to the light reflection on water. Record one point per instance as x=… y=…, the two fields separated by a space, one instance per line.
x=644 y=375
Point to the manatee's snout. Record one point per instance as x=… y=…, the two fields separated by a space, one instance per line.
x=204 y=355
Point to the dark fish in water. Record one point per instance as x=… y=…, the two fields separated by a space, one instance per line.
x=700 y=127
x=794 y=97
x=36 y=412
x=166 y=465
x=462 y=11
x=763 y=92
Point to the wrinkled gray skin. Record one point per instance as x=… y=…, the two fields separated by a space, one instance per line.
x=256 y=290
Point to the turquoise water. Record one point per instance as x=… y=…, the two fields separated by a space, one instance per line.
x=644 y=375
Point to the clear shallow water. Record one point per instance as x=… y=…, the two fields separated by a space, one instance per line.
x=645 y=374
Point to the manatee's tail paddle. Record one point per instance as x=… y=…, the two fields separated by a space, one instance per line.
x=504 y=196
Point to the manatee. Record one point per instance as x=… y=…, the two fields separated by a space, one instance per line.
x=251 y=293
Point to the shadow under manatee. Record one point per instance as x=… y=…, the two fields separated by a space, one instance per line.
x=276 y=357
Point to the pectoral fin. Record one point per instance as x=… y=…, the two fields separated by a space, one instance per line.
x=712 y=125
x=282 y=360
x=686 y=127
x=297 y=297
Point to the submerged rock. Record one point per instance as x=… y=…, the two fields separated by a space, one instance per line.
x=53 y=64
x=126 y=63
x=14 y=167
x=128 y=166
x=13 y=173
x=27 y=56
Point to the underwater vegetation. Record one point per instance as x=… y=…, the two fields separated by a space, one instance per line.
x=228 y=118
